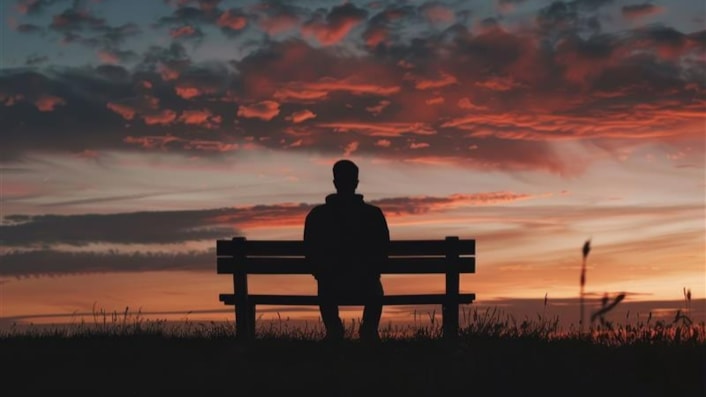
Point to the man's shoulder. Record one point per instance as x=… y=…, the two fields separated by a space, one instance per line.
x=317 y=210
x=371 y=207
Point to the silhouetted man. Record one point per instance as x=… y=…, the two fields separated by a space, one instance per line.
x=346 y=240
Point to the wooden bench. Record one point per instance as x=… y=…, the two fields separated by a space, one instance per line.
x=240 y=257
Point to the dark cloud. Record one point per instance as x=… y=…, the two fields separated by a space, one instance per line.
x=332 y=27
x=34 y=60
x=171 y=227
x=127 y=228
x=186 y=15
x=60 y=263
x=33 y=7
x=112 y=36
x=28 y=28
x=75 y=19
x=562 y=18
x=511 y=2
x=640 y=10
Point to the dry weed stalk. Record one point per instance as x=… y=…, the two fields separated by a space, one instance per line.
x=586 y=250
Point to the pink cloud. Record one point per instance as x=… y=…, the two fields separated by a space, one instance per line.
x=127 y=112
x=641 y=10
x=351 y=148
x=265 y=110
x=383 y=143
x=203 y=118
x=498 y=84
x=162 y=141
x=375 y=36
x=168 y=72
x=47 y=103
x=444 y=80
x=233 y=20
x=163 y=117
x=437 y=14
x=288 y=94
x=187 y=92
x=276 y=24
x=108 y=57
x=435 y=101
x=381 y=129
x=150 y=142
x=338 y=23
x=377 y=109
x=320 y=89
x=183 y=31
x=301 y=116
x=465 y=103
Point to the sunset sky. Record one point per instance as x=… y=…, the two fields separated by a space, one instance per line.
x=136 y=133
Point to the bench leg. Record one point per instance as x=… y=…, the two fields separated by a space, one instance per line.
x=449 y=313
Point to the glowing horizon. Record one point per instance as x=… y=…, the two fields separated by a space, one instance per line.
x=133 y=139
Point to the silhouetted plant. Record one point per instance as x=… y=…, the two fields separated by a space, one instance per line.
x=606 y=307
x=586 y=249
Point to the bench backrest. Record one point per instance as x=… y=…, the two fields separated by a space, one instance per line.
x=240 y=255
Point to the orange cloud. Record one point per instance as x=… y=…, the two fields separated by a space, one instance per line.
x=377 y=109
x=383 y=143
x=203 y=118
x=108 y=57
x=161 y=142
x=168 y=72
x=127 y=112
x=338 y=23
x=444 y=80
x=187 y=92
x=640 y=122
x=498 y=84
x=351 y=148
x=233 y=20
x=375 y=36
x=210 y=146
x=321 y=88
x=150 y=142
x=162 y=117
x=183 y=31
x=47 y=103
x=381 y=129
x=465 y=103
x=435 y=101
x=301 y=116
x=265 y=110
x=287 y=94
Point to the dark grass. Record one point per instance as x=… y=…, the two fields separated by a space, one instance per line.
x=493 y=356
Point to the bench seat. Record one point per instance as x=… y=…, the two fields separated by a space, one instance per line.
x=312 y=300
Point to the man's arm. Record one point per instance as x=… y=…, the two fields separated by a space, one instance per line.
x=312 y=242
x=382 y=239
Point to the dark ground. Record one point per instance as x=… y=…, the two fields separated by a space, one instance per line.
x=162 y=366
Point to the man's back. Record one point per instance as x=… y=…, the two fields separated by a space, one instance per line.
x=346 y=238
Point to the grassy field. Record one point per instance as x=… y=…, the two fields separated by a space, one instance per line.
x=494 y=356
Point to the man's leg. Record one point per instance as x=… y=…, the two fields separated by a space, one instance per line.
x=372 y=312
x=329 y=312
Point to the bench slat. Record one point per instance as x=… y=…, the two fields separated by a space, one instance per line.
x=296 y=247
x=309 y=300
x=429 y=265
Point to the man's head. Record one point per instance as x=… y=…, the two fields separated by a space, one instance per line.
x=345 y=176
